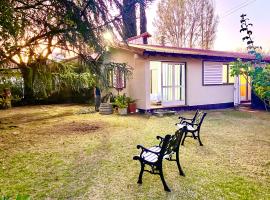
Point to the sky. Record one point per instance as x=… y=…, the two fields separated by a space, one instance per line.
x=228 y=37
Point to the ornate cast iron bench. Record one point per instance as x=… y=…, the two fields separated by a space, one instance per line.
x=168 y=146
x=193 y=125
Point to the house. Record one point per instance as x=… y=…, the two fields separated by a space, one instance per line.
x=180 y=78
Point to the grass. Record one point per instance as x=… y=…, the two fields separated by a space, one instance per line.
x=50 y=152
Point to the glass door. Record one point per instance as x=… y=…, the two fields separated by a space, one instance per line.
x=173 y=84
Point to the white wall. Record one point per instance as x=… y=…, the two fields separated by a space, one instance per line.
x=196 y=93
x=138 y=87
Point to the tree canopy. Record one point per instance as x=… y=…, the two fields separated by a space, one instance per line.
x=30 y=30
x=186 y=23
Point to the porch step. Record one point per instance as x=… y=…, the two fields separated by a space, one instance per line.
x=245 y=104
x=161 y=113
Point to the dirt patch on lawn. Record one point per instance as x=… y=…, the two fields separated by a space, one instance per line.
x=80 y=127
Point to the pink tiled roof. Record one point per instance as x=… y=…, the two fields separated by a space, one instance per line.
x=193 y=51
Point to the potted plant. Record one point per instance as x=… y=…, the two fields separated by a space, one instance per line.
x=5 y=99
x=121 y=102
x=131 y=105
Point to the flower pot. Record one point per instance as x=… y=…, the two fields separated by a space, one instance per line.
x=122 y=111
x=105 y=109
x=132 y=107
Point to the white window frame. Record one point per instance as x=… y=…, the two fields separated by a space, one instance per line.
x=174 y=86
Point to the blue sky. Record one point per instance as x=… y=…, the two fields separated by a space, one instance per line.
x=229 y=11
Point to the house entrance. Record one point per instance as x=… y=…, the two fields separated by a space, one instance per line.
x=167 y=84
x=245 y=91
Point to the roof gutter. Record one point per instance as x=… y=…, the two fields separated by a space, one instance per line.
x=197 y=56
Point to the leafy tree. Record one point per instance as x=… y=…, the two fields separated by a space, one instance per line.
x=186 y=23
x=257 y=70
x=31 y=30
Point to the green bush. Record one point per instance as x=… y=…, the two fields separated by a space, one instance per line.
x=121 y=101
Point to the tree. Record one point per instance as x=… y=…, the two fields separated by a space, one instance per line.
x=257 y=70
x=31 y=30
x=186 y=23
x=128 y=13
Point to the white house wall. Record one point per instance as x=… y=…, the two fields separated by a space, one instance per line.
x=196 y=94
x=136 y=85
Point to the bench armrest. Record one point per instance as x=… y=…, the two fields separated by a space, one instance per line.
x=160 y=138
x=146 y=150
x=184 y=118
x=189 y=123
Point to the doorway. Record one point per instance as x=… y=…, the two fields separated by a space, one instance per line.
x=245 y=90
x=167 y=84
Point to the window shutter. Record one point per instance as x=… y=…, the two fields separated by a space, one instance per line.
x=212 y=73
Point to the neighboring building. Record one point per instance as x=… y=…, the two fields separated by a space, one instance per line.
x=181 y=78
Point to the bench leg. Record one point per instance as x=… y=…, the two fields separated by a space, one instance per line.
x=141 y=174
x=181 y=172
x=166 y=188
x=183 y=140
x=201 y=144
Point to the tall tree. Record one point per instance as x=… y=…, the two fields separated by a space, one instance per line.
x=186 y=23
x=129 y=18
x=30 y=30
x=128 y=12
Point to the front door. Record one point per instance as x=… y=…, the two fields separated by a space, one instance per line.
x=173 y=83
x=244 y=89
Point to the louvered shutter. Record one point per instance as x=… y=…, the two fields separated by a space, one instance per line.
x=212 y=73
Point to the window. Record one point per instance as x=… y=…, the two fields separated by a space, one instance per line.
x=116 y=78
x=226 y=74
x=216 y=73
x=212 y=73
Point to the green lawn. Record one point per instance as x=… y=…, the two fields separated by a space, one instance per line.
x=50 y=152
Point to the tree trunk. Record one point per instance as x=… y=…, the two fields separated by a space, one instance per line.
x=143 y=21
x=27 y=73
x=129 y=19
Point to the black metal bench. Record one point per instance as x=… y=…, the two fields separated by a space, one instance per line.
x=193 y=125
x=168 y=146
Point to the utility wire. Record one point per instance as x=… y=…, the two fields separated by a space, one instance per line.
x=236 y=8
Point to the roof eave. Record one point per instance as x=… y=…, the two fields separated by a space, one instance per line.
x=197 y=56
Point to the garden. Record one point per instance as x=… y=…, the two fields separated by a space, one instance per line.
x=56 y=152
x=54 y=144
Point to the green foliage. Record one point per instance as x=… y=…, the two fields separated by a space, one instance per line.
x=241 y=68
x=121 y=101
x=261 y=82
x=130 y=100
x=113 y=68
x=260 y=77
x=11 y=79
x=48 y=80
x=257 y=70
x=57 y=77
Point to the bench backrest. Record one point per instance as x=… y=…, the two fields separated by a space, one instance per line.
x=195 y=116
x=171 y=143
x=164 y=146
x=199 y=118
x=176 y=140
